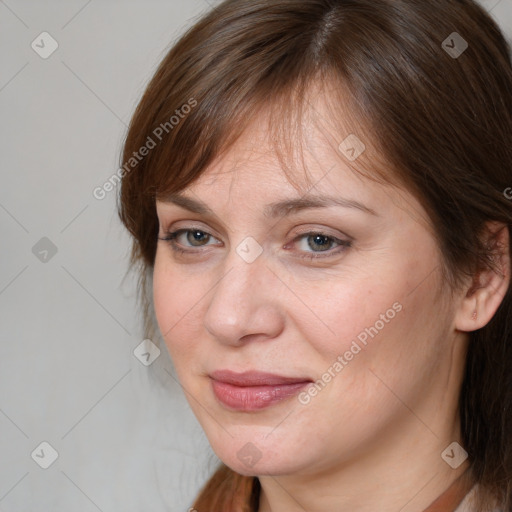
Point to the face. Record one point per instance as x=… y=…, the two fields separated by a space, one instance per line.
x=296 y=319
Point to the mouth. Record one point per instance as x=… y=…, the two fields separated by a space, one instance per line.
x=253 y=390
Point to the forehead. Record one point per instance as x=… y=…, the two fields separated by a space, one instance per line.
x=290 y=155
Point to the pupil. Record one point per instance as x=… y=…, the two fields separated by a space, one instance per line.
x=321 y=242
x=197 y=236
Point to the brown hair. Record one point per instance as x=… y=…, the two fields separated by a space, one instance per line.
x=442 y=121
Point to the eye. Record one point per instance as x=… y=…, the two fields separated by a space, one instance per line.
x=317 y=241
x=313 y=244
x=188 y=238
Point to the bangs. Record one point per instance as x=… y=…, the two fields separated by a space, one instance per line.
x=287 y=113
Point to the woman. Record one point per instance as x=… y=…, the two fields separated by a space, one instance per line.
x=320 y=224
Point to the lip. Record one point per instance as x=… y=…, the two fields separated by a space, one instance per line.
x=254 y=390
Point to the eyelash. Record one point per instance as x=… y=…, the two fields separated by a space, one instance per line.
x=171 y=237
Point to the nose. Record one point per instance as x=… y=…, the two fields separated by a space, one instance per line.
x=245 y=303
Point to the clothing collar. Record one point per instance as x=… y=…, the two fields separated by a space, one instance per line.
x=453 y=496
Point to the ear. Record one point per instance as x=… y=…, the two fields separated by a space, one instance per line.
x=481 y=299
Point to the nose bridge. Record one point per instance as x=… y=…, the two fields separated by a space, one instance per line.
x=241 y=278
x=242 y=303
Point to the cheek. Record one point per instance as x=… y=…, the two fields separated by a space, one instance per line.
x=371 y=322
x=385 y=340
x=176 y=302
x=349 y=314
x=164 y=297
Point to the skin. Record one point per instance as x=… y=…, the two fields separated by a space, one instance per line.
x=372 y=438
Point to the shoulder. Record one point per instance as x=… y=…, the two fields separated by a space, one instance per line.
x=468 y=503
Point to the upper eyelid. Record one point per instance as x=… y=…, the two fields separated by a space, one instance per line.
x=188 y=227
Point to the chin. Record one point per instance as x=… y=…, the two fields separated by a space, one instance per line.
x=261 y=468
x=249 y=458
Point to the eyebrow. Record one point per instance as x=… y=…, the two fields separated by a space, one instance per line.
x=277 y=209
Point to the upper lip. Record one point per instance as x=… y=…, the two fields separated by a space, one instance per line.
x=255 y=378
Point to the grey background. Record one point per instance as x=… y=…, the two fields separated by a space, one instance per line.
x=125 y=438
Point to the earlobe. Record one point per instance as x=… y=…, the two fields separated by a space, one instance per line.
x=489 y=286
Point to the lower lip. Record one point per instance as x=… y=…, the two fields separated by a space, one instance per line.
x=254 y=398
